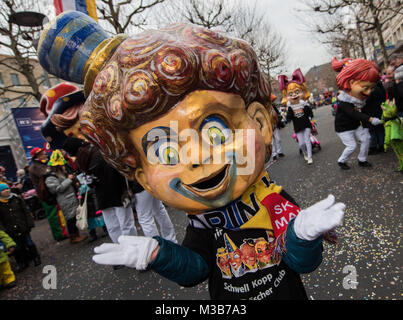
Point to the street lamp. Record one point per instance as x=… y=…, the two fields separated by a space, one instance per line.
x=29 y=19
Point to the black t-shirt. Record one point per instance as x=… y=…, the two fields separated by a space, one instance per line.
x=253 y=278
x=300 y=118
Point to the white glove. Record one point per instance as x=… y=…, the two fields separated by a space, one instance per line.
x=132 y=251
x=375 y=121
x=319 y=218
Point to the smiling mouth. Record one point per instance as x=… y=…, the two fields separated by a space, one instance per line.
x=212 y=182
x=212 y=186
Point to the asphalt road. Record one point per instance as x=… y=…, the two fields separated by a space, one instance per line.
x=367 y=259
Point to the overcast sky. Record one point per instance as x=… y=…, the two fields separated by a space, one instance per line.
x=303 y=50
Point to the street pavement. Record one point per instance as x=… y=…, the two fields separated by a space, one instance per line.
x=365 y=264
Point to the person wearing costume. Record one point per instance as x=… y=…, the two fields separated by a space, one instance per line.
x=277 y=123
x=356 y=79
x=18 y=222
x=396 y=64
x=37 y=173
x=295 y=96
x=7 y=247
x=188 y=94
x=393 y=131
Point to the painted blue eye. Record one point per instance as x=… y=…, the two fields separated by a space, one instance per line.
x=167 y=152
x=215 y=131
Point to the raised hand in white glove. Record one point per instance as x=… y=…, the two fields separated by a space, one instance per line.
x=132 y=251
x=375 y=121
x=323 y=216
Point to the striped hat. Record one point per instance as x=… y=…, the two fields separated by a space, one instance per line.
x=73 y=46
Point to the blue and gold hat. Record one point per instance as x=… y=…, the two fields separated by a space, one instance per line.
x=74 y=47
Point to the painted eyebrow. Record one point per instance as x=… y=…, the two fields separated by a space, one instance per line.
x=210 y=106
x=155 y=134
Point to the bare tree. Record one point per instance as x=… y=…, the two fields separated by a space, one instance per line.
x=339 y=34
x=368 y=15
x=122 y=15
x=19 y=53
x=238 y=18
x=212 y=14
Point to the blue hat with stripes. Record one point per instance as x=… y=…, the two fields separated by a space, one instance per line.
x=67 y=43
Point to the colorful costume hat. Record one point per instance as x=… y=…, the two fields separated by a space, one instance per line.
x=54 y=93
x=231 y=247
x=35 y=151
x=222 y=252
x=74 y=47
x=57 y=100
x=56 y=159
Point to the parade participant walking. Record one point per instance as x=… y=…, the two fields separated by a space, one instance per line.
x=356 y=79
x=61 y=185
x=17 y=222
x=295 y=94
x=7 y=246
x=149 y=208
x=213 y=85
x=277 y=151
x=37 y=173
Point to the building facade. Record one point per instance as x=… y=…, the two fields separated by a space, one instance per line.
x=321 y=79
x=12 y=153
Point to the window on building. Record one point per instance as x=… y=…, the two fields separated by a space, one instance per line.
x=14 y=79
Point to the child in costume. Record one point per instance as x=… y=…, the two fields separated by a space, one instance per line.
x=146 y=96
x=295 y=96
x=7 y=246
x=356 y=79
x=393 y=131
x=18 y=222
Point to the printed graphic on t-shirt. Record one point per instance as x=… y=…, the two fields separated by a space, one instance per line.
x=299 y=113
x=252 y=254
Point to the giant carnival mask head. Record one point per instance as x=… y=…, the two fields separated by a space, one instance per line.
x=357 y=77
x=183 y=110
x=294 y=90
